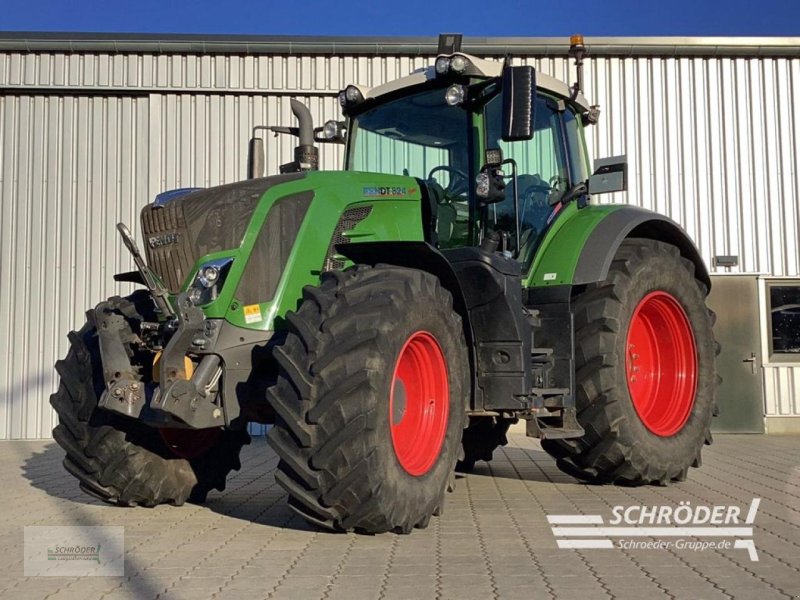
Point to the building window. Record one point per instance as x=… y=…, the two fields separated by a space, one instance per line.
x=784 y=321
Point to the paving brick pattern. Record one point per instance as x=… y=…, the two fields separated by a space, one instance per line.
x=493 y=540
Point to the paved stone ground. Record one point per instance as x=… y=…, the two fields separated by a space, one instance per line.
x=493 y=541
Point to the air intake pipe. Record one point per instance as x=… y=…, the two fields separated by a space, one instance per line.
x=306 y=155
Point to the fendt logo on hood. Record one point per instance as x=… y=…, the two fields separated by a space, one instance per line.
x=388 y=191
x=166 y=239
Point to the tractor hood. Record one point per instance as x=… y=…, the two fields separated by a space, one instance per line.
x=274 y=235
x=179 y=228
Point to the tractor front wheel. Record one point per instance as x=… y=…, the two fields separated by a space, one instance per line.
x=370 y=400
x=123 y=461
x=645 y=370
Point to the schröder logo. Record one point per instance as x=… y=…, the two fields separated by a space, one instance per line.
x=685 y=527
x=74 y=551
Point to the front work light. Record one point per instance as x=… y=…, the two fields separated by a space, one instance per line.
x=455 y=94
x=458 y=64
x=350 y=96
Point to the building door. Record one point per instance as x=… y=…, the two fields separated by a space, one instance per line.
x=741 y=394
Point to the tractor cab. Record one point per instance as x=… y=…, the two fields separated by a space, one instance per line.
x=497 y=148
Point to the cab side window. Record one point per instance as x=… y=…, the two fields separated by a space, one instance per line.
x=542 y=172
x=578 y=160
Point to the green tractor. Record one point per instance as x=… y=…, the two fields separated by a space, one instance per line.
x=393 y=319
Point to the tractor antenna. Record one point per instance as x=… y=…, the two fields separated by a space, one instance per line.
x=578 y=51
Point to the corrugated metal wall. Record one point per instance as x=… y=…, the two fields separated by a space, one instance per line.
x=782 y=391
x=88 y=139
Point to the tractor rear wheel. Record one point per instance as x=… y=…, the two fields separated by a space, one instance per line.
x=370 y=400
x=123 y=461
x=645 y=370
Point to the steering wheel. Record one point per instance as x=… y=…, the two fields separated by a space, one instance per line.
x=537 y=185
x=459 y=182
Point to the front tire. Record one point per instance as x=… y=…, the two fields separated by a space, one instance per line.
x=120 y=460
x=645 y=371
x=370 y=400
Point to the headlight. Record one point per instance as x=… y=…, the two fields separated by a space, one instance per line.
x=208 y=276
x=209 y=280
x=442 y=65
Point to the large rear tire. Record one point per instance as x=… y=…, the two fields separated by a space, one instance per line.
x=370 y=400
x=123 y=461
x=645 y=370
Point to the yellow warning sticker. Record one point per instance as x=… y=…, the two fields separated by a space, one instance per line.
x=252 y=313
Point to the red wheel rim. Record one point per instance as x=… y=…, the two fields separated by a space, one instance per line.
x=189 y=443
x=661 y=363
x=419 y=403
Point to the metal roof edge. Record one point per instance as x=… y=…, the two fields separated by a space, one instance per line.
x=377 y=46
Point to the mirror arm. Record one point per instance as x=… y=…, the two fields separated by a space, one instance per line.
x=513 y=164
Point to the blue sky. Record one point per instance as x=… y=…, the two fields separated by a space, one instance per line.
x=409 y=17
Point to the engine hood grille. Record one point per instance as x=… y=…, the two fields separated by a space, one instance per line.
x=180 y=231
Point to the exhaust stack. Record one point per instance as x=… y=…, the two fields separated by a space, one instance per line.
x=306 y=154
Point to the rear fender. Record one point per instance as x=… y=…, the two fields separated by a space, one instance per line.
x=582 y=249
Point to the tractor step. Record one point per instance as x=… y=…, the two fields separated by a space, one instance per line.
x=559 y=426
x=541 y=356
x=556 y=433
x=550 y=392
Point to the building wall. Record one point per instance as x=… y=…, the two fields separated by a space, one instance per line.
x=87 y=139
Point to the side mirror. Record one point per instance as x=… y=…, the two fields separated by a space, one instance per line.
x=610 y=175
x=255 y=158
x=519 y=87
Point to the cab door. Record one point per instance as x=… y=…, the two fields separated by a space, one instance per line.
x=547 y=166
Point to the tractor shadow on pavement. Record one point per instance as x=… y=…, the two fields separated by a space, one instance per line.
x=252 y=495
x=45 y=471
x=524 y=464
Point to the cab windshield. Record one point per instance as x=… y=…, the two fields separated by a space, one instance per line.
x=421 y=136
